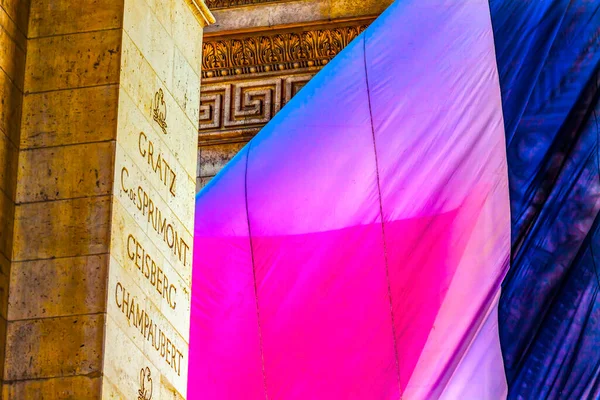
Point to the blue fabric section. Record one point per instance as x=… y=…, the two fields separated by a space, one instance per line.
x=548 y=56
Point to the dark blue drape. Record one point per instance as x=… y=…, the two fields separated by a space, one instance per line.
x=548 y=54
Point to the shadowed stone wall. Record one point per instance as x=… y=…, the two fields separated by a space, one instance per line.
x=14 y=18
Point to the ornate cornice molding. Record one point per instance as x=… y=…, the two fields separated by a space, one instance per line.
x=220 y=4
x=277 y=50
x=249 y=76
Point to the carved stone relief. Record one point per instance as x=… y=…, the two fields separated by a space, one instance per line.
x=279 y=51
x=247 y=78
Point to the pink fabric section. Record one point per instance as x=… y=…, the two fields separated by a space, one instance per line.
x=325 y=320
x=419 y=250
x=324 y=302
x=479 y=375
x=440 y=145
x=354 y=249
x=469 y=299
x=224 y=351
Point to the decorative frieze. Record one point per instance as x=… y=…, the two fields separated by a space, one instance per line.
x=276 y=51
x=249 y=77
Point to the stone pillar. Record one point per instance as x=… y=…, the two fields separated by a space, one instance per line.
x=101 y=249
x=13 y=47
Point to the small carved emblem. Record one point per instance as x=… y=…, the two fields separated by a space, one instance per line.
x=159 y=110
x=145 y=390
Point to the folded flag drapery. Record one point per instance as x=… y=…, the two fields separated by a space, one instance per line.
x=548 y=55
x=355 y=248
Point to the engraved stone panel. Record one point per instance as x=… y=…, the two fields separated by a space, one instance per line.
x=157 y=278
x=149 y=331
x=153 y=187
x=141 y=84
x=123 y=371
x=149 y=150
x=158 y=218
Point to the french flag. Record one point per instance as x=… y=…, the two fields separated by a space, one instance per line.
x=356 y=248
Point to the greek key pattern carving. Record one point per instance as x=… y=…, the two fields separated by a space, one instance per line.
x=241 y=108
x=276 y=52
x=218 y=4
